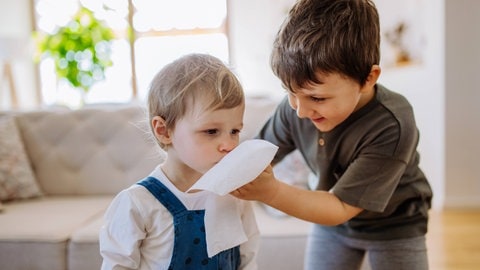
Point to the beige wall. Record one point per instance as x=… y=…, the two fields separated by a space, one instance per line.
x=462 y=103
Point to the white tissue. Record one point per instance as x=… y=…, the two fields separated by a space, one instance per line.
x=224 y=228
x=239 y=167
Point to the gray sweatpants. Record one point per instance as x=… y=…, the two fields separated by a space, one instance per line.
x=327 y=250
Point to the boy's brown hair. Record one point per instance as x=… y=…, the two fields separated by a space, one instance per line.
x=327 y=36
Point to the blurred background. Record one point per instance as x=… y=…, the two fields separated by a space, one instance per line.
x=429 y=54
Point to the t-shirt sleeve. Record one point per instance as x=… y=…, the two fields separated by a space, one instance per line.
x=277 y=130
x=370 y=182
x=121 y=234
x=374 y=174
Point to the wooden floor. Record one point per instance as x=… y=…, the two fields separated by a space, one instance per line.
x=454 y=240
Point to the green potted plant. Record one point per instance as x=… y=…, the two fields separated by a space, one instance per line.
x=80 y=49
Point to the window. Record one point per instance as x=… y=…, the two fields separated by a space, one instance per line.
x=162 y=30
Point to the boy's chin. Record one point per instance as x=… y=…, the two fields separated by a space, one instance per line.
x=323 y=128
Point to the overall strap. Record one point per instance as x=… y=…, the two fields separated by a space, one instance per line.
x=164 y=195
x=190 y=247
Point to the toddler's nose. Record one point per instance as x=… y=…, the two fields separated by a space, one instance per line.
x=228 y=144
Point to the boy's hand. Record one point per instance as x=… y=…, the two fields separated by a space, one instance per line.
x=263 y=188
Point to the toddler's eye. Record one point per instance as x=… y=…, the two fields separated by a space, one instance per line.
x=211 y=131
x=235 y=131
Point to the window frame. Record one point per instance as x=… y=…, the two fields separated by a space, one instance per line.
x=131 y=35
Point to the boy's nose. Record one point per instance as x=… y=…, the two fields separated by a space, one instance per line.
x=302 y=110
x=299 y=108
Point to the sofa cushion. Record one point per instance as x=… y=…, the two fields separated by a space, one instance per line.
x=283 y=240
x=17 y=180
x=50 y=218
x=91 y=151
x=42 y=228
x=84 y=244
x=35 y=255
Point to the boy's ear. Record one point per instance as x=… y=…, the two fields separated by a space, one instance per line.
x=160 y=130
x=373 y=75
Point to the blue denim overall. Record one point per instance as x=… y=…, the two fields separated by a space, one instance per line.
x=190 y=247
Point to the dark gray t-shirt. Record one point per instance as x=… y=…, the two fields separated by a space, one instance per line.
x=369 y=161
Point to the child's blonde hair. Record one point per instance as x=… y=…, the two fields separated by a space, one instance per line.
x=193 y=77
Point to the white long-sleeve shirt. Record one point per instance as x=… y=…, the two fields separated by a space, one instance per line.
x=138 y=232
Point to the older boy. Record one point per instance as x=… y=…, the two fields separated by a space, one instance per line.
x=357 y=136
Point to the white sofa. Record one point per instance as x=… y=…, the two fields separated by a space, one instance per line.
x=79 y=159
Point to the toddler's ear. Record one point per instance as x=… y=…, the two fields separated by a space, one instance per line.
x=160 y=130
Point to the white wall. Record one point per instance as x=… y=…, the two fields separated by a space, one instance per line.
x=462 y=103
x=423 y=85
x=253 y=26
x=15 y=24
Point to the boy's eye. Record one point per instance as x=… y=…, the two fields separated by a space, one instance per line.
x=235 y=131
x=317 y=99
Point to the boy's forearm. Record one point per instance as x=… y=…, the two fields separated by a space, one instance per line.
x=317 y=206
